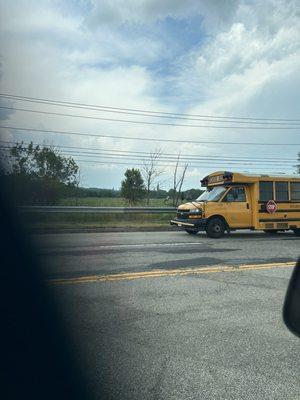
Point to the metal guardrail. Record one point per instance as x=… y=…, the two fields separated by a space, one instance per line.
x=101 y=210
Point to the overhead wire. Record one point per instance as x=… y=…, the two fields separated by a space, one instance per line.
x=19 y=97
x=172 y=165
x=148 y=114
x=138 y=138
x=113 y=158
x=147 y=156
x=144 y=152
x=136 y=163
x=148 y=122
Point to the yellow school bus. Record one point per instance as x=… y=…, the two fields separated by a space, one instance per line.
x=240 y=201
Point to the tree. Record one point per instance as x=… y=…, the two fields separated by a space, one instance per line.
x=132 y=188
x=43 y=162
x=178 y=180
x=39 y=174
x=192 y=194
x=151 y=171
x=298 y=165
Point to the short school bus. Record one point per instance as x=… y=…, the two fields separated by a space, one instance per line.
x=240 y=201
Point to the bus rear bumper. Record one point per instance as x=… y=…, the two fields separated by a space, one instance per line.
x=199 y=224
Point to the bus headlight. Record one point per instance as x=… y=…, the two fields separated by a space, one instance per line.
x=196 y=213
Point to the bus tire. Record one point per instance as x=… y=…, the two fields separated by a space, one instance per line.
x=297 y=231
x=271 y=231
x=192 y=231
x=215 y=228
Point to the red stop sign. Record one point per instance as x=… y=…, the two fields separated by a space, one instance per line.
x=271 y=206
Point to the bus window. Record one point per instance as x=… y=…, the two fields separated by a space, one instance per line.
x=295 y=191
x=266 y=191
x=236 y=194
x=281 y=191
x=212 y=194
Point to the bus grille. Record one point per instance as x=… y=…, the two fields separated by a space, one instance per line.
x=183 y=214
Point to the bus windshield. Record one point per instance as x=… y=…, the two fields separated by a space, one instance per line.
x=213 y=194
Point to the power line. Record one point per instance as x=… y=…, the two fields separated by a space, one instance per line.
x=183 y=159
x=171 y=165
x=133 y=163
x=170 y=154
x=144 y=152
x=137 y=138
x=148 y=114
x=146 y=157
x=171 y=160
x=12 y=96
x=174 y=160
x=199 y=165
x=146 y=122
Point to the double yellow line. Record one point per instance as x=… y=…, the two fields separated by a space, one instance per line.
x=158 y=273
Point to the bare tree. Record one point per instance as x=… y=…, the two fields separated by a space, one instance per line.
x=178 y=180
x=151 y=171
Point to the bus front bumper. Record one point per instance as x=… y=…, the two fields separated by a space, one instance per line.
x=199 y=224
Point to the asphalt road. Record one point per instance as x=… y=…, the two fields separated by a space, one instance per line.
x=214 y=334
x=77 y=254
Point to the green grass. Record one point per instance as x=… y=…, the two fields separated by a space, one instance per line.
x=40 y=221
x=108 y=202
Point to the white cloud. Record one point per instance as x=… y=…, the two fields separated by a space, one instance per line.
x=238 y=63
x=246 y=63
x=108 y=13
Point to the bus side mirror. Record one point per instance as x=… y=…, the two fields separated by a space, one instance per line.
x=291 y=307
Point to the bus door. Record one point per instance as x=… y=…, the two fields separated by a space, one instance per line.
x=237 y=207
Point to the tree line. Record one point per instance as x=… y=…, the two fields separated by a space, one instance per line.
x=40 y=175
x=36 y=175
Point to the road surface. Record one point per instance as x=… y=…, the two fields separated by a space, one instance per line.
x=77 y=254
x=210 y=330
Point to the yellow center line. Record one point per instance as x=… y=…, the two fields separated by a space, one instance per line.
x=171 y=272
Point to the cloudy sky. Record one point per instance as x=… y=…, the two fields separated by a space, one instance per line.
x=217 y=58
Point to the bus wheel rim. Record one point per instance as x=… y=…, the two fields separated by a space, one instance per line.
x=217 y=228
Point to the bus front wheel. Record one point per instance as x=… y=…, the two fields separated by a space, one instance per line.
x=215 y=228
x=297 y=231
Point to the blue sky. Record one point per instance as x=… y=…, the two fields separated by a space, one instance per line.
x=238 y=58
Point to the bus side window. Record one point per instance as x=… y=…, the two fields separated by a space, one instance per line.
x=236 y=195
x=266 y=191
x=295 y=191
x=281 y=191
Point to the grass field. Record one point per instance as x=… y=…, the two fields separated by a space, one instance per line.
x=46 y=221
x=52 y=221
x=108 y=202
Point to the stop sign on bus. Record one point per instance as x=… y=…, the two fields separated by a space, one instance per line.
x=271 y=206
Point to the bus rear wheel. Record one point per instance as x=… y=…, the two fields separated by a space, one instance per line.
x=271 y=231
x=192 y=231
x=297 y=231
x=215 y=228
